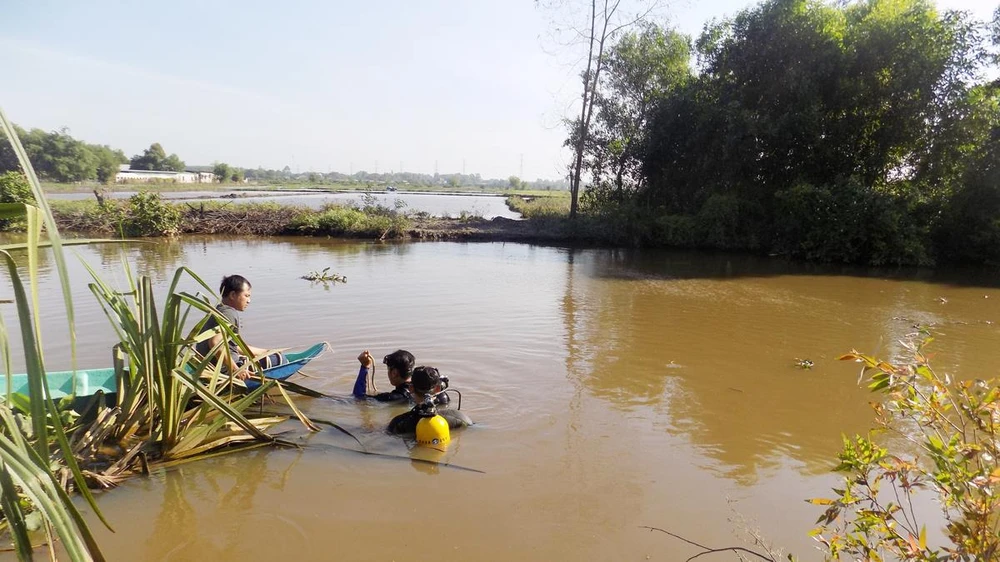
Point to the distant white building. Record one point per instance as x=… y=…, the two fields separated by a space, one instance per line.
x=128 y=175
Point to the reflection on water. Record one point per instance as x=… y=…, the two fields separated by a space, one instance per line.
x=611 y=389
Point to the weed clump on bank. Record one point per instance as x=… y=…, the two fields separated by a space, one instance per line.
x=333 y=220
x=143 y=214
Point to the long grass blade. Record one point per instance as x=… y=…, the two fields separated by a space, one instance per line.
x=33 y=351
x=5 y=350
x=50 y=225
x=44 y=491
x=33 y=361
x=14 y=514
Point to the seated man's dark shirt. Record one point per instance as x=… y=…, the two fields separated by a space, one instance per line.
x=231 y=314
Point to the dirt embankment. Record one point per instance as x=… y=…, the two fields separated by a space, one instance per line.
x=499 y=229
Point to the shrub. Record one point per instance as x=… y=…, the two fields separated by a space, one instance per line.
x=814 y=223
x=539 y=207
x=14 y=188
x=951 y=446
x=674 y=230
x=348 y=221
x=728 y=222
x=146 y=214
x=849 y=222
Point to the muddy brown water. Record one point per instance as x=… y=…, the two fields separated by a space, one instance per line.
x=611 y=390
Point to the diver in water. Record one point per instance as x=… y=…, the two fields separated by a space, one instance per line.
x=399 y=365
x=427 y=384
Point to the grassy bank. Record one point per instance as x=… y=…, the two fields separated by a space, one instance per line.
x=148 y=215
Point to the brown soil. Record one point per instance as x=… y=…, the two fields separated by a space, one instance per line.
x=498 y=229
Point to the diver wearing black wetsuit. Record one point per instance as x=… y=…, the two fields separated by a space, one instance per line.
x=400 y=367
x=426 y=381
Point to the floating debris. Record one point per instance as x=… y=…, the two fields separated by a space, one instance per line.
x=803 y=363
x=942 y=300
x=325 y=277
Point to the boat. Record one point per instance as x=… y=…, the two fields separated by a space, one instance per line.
x=85 y=383
x=296 y=360
x=82 y=383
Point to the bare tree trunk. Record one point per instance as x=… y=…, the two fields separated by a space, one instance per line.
x=576 y=169
x=595 y=61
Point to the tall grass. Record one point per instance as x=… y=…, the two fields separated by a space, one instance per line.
x=172 y=405
x=539 y=207
x=28 y=482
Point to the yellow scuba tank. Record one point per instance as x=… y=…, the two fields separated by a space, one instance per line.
x=433 y=431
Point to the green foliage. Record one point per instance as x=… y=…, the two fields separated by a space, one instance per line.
x=146 y=214
x=59 y=157
x=640 y=69
x=847 y=222
x=726 y=222
x=852 y=131
x=336 y=220
x=28 y=480
x=108 y=163
x=222 y=172
x=14 y=188
x=532 y=207
x=952 y=427
x=155 y=158
x=677 y=231
x=164 y=383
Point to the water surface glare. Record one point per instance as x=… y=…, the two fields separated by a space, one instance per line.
x=611 y=389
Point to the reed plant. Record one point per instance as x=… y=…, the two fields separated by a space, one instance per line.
x=171 y=404
x=36 y=457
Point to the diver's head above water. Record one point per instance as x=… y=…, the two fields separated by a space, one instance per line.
x=426 y=381
x=400 y=366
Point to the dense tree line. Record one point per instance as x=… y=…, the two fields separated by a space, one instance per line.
x=59 y=157
x=859 y=132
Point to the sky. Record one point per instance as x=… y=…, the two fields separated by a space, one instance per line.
x=470 y=86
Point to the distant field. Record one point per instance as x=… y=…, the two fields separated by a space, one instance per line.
x=51 y=187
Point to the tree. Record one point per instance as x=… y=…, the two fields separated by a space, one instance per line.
x=222 y=172
x=514 y=182
x=108 y=163
x=642 y=68
x=603 y=22
x=155 y=158
x=174 y=163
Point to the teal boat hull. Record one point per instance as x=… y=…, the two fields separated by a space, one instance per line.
x=85 y=383
x=81 y=384
x=296 y=360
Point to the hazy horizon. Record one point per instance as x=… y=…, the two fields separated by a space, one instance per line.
x=397 y=86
